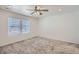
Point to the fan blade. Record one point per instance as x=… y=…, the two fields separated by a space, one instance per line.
x=42 y=10
x=35 y=7
x=40 y=13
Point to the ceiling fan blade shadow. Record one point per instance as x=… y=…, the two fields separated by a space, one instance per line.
x=29 y=10
x=32 y=13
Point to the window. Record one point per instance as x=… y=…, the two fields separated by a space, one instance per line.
x=13 y=25
x=25 y=26
x=17 y=26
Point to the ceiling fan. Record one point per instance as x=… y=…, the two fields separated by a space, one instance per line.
x=38 y=10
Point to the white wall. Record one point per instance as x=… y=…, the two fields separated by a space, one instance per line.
x=4 y=38
x=63 y=27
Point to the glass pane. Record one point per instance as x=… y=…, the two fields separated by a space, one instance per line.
x=13 y=25
x=25 y=26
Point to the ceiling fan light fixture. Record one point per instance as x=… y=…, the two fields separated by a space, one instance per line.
x=38 y=11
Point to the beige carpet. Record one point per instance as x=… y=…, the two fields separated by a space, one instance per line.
x=40 y=45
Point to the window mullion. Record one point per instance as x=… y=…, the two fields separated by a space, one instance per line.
x=21 y=26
